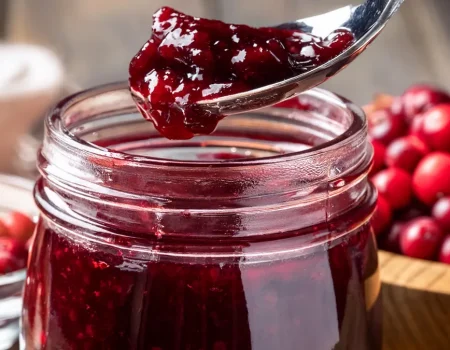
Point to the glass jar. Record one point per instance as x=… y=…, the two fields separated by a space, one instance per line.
x=256 y=237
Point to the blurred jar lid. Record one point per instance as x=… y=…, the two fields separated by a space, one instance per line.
x=27 y=69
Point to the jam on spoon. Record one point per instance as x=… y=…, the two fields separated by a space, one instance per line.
x=190 y=59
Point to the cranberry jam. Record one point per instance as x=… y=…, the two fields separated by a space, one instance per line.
x=189 y=59
x=256 y=237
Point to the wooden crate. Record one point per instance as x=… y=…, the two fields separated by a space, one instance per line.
x=416 y=303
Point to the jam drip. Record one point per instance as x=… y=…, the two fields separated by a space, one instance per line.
x=190 y=59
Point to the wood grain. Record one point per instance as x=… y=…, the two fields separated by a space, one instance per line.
x=416 y=303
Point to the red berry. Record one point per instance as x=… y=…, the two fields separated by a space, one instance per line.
x=444 y=254
x=421 y=238
x=395 y=186
x=441 y=213
x=431 y=177
x=379 y=151
x=413 y=211
x=385 y=126
x=436 y=127
x=417 y=99
x=19 y=225
x=382 y=216
x=416 y=127
x=392 y=241
x=3 y=230
x=405 y=153
x=13 y=255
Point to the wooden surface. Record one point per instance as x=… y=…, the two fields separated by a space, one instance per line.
x=416 y=303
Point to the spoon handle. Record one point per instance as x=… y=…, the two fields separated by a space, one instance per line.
x=382 y=10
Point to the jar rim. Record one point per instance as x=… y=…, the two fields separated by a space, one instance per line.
x=260 y=195
x=55 y=125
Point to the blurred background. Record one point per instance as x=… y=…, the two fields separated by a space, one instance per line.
x=52 y=48
x=92 y=41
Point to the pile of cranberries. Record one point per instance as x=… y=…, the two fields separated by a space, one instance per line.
x=16 y=230
x=411 y=171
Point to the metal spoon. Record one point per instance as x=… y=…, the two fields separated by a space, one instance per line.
x=365 y=21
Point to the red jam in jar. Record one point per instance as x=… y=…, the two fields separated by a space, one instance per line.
x=148 y=243
x=189 y=59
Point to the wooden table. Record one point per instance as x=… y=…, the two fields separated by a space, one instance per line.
x=416 y=301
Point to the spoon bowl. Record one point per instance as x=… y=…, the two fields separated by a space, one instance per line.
x=365 y=21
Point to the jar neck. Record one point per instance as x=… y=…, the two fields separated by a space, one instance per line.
x=133 y=192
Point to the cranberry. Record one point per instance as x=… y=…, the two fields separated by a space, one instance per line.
x=382 y=216
x=3 y=230
x=421 y=238
x=189 y=59
x=13 y=255
x=436 y=127
x=379 y=152
x=416 y=128
x=441 y=213
x=419 y=98
x=414 y=210
x=405 y=153
x=444 y=254
x=392 y=241
x=19 y=225
x=431 y=177
x=395 y=186
x=385 y=126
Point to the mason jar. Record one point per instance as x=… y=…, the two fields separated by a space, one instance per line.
x=255 y=237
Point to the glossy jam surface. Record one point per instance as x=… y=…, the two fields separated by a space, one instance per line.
x=122 y=293
x=190 y=59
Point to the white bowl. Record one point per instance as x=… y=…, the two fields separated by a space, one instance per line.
x=31 y=78
x=15 y=194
